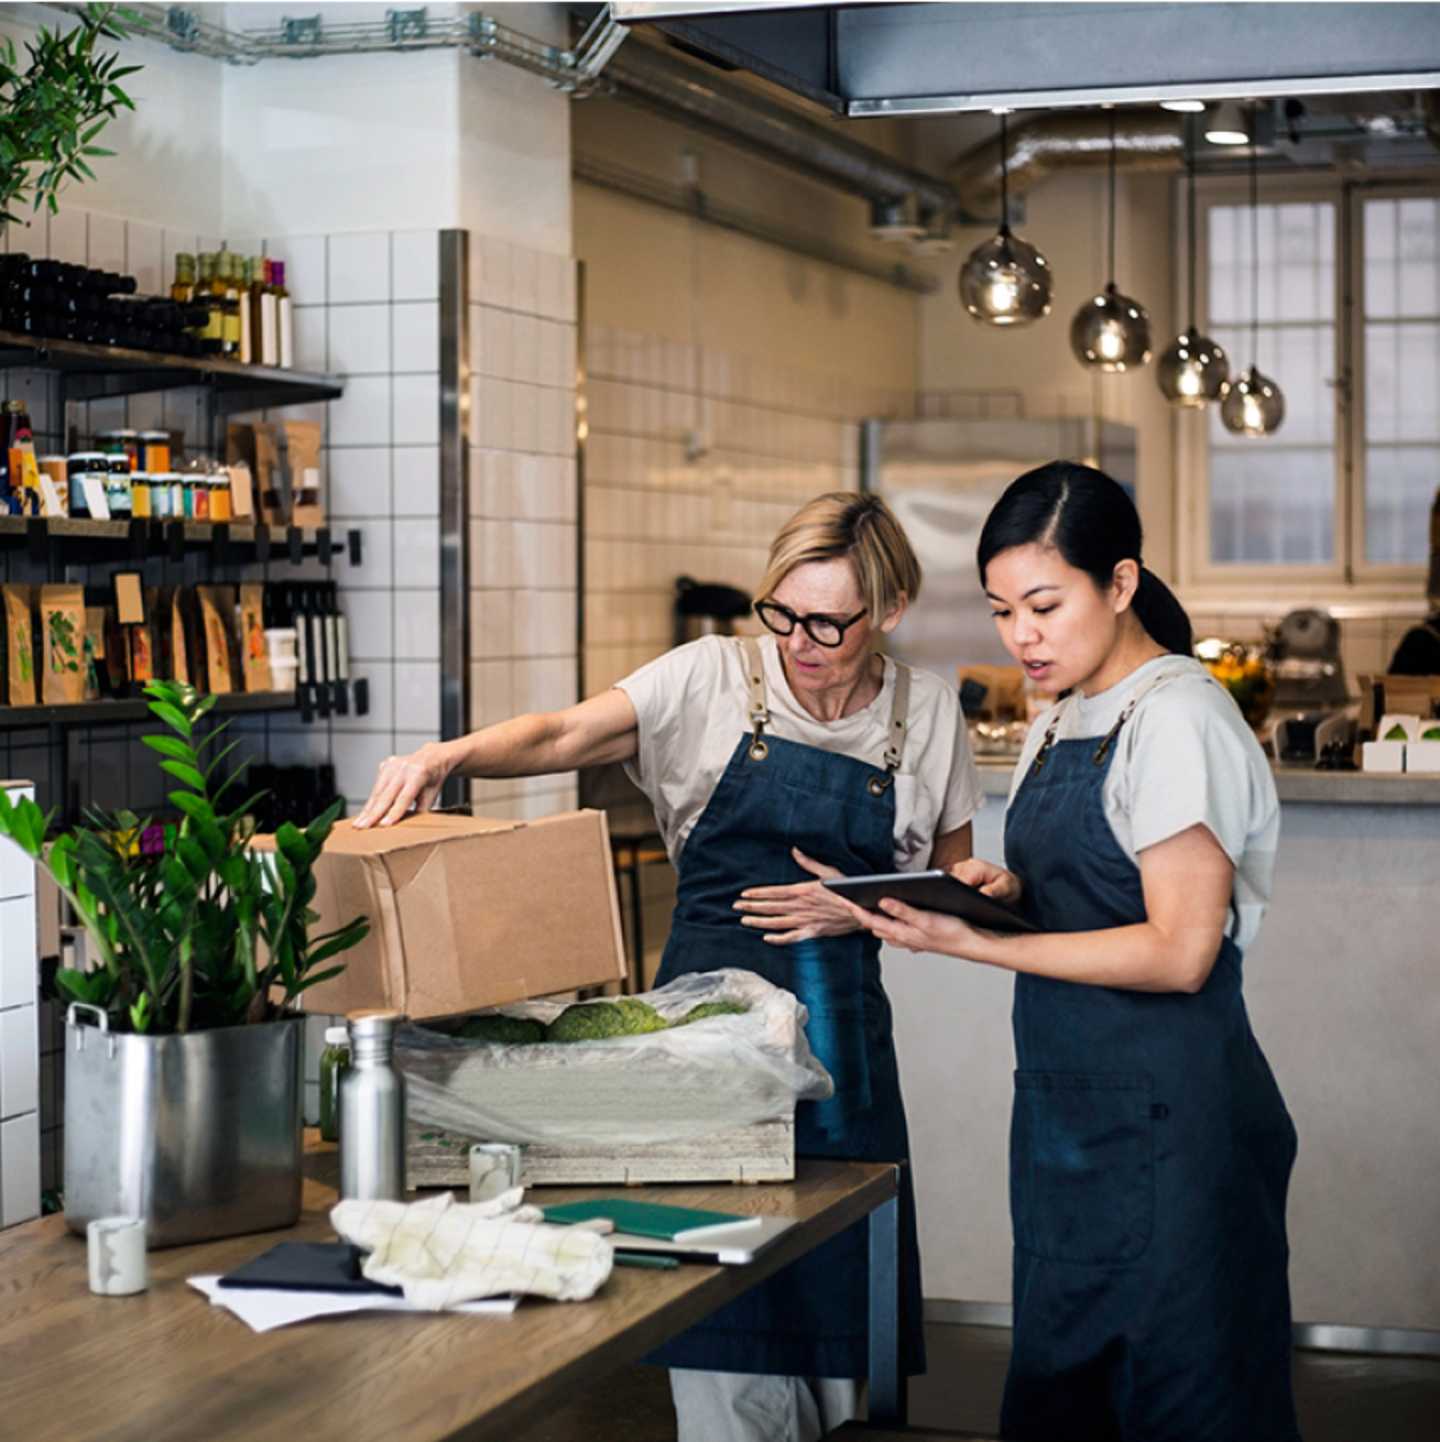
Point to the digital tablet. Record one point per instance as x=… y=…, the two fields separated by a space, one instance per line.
x=932 y=891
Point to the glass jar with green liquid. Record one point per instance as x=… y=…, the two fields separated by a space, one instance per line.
x=334 y=1063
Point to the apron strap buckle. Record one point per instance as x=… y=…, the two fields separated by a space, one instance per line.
x=879 y=785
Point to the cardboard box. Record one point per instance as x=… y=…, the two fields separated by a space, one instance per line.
x=1412 y=695
x=468 y=912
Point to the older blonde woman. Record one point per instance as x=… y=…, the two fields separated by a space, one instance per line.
x=772 y=762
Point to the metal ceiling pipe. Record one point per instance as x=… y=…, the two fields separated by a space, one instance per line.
x=642 y=74
x=1065 y=140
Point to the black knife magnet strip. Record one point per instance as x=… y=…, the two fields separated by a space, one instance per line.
x=175 y=536
x=341 y=699
x=362 y=696
x=262 y=543
x=295 y=539
x=356 y=553
x=37 y=536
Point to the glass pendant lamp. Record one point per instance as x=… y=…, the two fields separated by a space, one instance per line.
x=1005 y=280
x=1110 y=331
x=1194 y=369
x=1254 y=405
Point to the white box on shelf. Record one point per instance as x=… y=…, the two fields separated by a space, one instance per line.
x=1383 y=756
x=1423 y=756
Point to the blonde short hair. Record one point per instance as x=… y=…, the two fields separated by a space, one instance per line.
x=863 y=530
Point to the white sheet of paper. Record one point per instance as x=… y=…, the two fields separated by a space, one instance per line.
x=263 y=1309
x=95 y=500
x=49 y=497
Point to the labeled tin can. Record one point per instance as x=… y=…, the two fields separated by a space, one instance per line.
x=140 y=495
x=162 y=497
x=154 y=451
x=117 y=494
x=220 y=508
x=199 y=488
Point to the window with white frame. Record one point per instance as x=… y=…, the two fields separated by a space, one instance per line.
x=1348 y=325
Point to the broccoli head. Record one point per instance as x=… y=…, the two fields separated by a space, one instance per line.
x=597 y=1020
x=713 y=1008
x=510 y=1030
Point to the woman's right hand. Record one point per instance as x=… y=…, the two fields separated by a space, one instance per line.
x=987 y=877
x=405 y=784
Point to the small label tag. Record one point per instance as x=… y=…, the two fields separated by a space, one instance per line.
x=95 y=500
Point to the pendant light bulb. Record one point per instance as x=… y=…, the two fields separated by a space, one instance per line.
x=1111 y=332
x=1005 y=280
x=1194 y=370
x=1253 y=406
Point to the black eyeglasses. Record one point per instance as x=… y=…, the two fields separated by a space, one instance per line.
x=822 y=630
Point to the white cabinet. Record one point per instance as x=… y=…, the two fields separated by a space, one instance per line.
x=19 y=1048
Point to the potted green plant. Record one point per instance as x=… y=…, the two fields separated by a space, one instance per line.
x=183 y=1054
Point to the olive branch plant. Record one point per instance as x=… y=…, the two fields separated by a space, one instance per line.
x=208 y=931
x=54 y=108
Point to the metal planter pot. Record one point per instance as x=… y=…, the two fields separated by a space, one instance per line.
x=199 y=1134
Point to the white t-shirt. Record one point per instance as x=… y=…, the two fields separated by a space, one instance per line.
x=1185 y=758
x=693 y=706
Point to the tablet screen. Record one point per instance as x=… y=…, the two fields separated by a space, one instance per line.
x=932 y=891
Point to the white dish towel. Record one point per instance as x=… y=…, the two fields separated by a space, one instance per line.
x=443 y=1252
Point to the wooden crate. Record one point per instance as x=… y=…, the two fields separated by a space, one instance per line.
x=763 y=1152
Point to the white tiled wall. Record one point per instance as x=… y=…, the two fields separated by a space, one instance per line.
x=19 y=1036
x=523 y=502
x=694 y=459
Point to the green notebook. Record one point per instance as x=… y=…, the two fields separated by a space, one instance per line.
x=652 y=1219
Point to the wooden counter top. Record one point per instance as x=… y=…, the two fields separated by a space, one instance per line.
x=166 y=1366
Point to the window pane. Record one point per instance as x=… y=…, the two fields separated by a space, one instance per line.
x=1272 y=507
x=1272 y=499
x=1401 y=306
x=1400 y=486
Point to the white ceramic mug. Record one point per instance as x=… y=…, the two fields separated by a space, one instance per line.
x=115 y=1248
x=494 y=1170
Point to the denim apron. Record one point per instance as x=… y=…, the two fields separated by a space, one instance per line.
x=811 y=1319
x=1150 y=1153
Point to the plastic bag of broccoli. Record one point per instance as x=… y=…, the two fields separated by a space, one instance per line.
x=705 y=1053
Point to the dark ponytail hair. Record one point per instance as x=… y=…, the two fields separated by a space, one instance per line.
x=1093 y=524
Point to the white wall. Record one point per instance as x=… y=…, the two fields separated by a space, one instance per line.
x=166 y=167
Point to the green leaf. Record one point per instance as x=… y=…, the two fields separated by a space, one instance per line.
x=172 y=717
x=186 y=773
x=171 y=746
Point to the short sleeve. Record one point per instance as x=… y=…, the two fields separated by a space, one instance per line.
x=663 y=693
x=1191 y=764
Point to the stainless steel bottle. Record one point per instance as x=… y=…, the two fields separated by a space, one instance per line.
x=372 y=1112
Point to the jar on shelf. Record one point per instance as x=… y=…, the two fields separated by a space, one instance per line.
x=199 y=489
x=58 y=469
x=79 y=501
x=140 y=495
x=154 y=451
x=162 y=495
x=220 y=508
x=117 y=494
x=79 y=464
x=124 y=441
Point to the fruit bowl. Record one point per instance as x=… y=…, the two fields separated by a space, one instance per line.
x=1244 y=671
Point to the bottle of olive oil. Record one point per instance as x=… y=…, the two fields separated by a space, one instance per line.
x=285 y=318
x=241 y=274
x=265 y=315
x=225 y=286
x=182 y=292
x=211 y=293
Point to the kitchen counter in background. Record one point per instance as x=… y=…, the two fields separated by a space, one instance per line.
x=1294 y=783
x=1343 y=989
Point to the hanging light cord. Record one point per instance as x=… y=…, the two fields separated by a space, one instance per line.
x=1190 y=219
x=1112 y=197
x=1004 y=181
x=1254 y=246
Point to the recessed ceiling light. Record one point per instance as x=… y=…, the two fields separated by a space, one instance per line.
x=1226 y=137
x=1185 y=107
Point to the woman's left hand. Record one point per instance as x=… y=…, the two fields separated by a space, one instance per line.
x=797 y=912
x=915 y=930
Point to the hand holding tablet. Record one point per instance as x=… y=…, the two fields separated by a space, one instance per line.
x=932 y=891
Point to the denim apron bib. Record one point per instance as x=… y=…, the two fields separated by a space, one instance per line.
x=1150 y=1153
x=811 y=1319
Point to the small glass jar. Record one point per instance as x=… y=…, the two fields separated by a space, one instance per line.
x=199 y=488
x=189 y=490
x=162 y=496
x=154 y=451
x=126 y=442
x=58 y=469
x=79 y=501
x=334 y=1063
x=140 y=495
x=220 y=508
x=117 y=495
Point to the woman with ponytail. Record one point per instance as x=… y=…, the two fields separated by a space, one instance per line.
x=1150 y=1147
